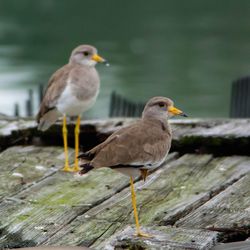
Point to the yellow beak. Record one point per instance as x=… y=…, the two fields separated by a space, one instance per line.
x=174 y=111
x=98 y=58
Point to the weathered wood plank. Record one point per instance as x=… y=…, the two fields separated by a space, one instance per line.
x=14 y=132
x=221 y=128
x=162 y=238
x=53 y=203
x=197 y=127
x=213 y=127
x=170 y=192
x=228 y=210
x=216 y=136
x=38 y=212
x=242 y=245
x=54 y=248
x=54 y=211
x=225 y=171
x=21 y=166
x=10 y=125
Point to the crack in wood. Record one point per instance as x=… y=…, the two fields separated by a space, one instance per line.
x=233 y=234
x=95 y=240
x=172 y=221
x=27 y=187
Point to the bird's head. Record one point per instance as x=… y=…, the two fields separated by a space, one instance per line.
x=86 y=55
x=161 y=108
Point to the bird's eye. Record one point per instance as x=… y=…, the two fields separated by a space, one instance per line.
x=161 y=104
x=86 y=53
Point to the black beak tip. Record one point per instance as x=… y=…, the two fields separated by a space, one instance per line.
x=184 y=115
x=106 y=63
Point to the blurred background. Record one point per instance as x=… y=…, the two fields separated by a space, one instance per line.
x=190 y=50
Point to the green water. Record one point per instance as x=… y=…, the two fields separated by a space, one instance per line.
x=187 y=50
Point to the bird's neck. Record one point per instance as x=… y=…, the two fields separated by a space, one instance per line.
x=162 y=122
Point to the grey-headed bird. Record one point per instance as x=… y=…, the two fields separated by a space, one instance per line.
x=135 y=149
x=71 y=90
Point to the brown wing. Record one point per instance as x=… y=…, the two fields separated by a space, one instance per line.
x=54 y=88
x=139 y=144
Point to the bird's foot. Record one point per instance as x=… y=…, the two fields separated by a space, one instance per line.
x=141 y=234
x=67 y=168
x=71 y=169
x=76 y=168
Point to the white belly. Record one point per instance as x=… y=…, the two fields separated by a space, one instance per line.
x=129 y=171
x=69 y=105
x=134 y=172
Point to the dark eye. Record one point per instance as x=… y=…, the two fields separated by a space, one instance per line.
x=86 y=53
x=161 y=104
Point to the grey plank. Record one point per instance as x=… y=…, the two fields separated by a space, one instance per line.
x=212 y=127
x=52 y=203
x=189 y=132
x=36 y=213
x=227 y=128
x=8 y=126
x=54 y=248
x=170 y=238
x=228 y=209
x=224 y=171
x=169 y=193
x=242 y=245
x=22 y=166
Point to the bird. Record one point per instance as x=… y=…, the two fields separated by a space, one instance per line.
x=137 y=148
x=71 y=90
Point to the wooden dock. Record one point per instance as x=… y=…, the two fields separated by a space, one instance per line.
x=199 y=198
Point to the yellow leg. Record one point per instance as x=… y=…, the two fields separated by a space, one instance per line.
x=65 y=142
x=138 y=231
x=77 y=132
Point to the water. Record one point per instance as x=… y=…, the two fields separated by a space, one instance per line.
x=187 y=50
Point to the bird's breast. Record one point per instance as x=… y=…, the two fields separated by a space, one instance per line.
x=71 y=104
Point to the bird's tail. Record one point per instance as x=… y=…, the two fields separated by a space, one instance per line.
x=85 y=162
x=85 y=168
x=86 y=156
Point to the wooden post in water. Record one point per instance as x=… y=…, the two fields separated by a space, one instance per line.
x=240 y=98
x=112 y=104
x=118 y=106
x=122 y=107
x=16 y=110
x=29 y=103
x=40 y=93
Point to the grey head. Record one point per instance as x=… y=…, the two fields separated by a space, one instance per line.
x=86 y=55
x=160 y=108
